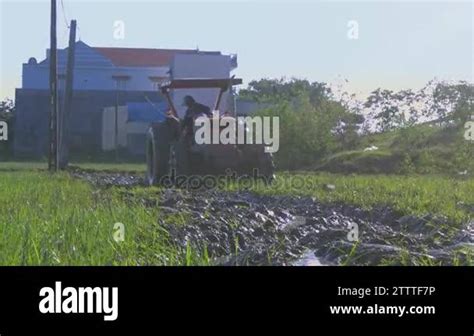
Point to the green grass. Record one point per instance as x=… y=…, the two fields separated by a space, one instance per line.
x=18 y=165
x=113 y=167
x=418 y=195
x=423 y=149
x=110 y=167
x=57 y=220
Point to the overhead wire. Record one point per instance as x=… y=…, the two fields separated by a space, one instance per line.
x=64 y=14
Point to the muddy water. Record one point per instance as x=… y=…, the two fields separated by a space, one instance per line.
x=243 y=228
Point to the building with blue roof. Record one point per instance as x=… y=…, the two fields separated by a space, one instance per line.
x=104 y=78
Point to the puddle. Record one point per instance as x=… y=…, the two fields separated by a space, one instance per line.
x=309 y=259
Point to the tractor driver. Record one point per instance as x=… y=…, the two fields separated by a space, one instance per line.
x=194 y=110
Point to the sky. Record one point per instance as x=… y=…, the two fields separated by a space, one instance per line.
x=397 y=45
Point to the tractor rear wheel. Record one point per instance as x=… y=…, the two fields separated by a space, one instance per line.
x=158 y=154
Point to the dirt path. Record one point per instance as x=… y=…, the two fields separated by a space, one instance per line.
x=243 y=228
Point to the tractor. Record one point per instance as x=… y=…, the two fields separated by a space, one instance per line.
x=169 y=156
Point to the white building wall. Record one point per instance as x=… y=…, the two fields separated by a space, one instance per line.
x=108 y=127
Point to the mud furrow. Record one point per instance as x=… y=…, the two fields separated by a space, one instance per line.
x=244 y=228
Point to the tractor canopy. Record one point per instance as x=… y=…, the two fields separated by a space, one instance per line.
x=198 y=83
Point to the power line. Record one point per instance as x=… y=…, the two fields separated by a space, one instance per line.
x=64 y=15
x=78 y=32
x=66 y=21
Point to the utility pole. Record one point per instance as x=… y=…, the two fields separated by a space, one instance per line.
x=116 y=120
x=120 y=85
x=64 y=130
x=53 y=80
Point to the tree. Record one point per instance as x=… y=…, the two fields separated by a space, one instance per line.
x=385 y=109
x=7 y=109
x=456 y=98
x=312 y=122
x=7 y=114
x=348 y=129
x=281 y=90
x=305 y=131
x=351 y=121
x=447 y=102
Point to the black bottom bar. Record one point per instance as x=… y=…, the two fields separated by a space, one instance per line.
x=227 y=300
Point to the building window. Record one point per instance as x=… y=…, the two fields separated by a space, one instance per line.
x=121 y=82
